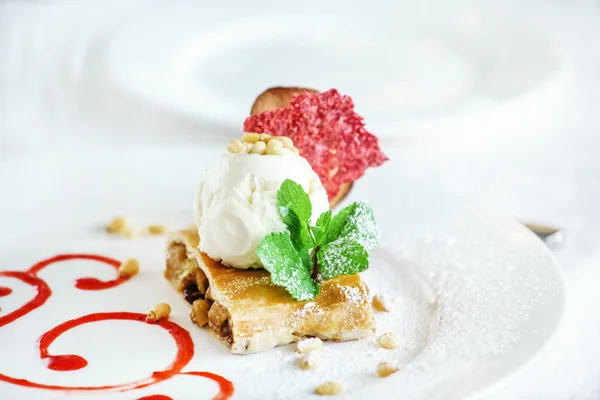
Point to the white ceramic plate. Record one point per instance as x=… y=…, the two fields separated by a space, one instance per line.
x=475 y=295
x=402 y=63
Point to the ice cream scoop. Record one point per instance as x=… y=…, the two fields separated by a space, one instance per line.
x=236 y=204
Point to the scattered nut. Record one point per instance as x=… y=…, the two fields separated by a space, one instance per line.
x=259 y=148
x=389 y=341
x=310 y=360
x=117 y=225
x=235 y=146
x=287 y=142
x=275 y=147
x=156 y=229
x=193 y=227
x=129 y=268
x=264 y=137
x=120 y=226
x=385 y=369
x=307 y=345
x=329 y=388
x=248 y=147
x=161 y=310
x=381 y=303
x=250 y=137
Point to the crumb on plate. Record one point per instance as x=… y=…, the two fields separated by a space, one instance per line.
x=310 y=360
x=381 y=303
x=157 y=229
x=385 y=369
x=329 y=388
x=117 y=226
x=159 y=311
x=311 y=344
x=389 y=341
x=129 y=267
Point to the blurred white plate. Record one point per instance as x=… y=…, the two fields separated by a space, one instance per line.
x=475 y=295
x=401 y=62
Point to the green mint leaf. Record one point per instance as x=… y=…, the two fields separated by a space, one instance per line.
x=324 y=220
x=356 y=222
x=344 y=256
x=291 y=196
x=306 y=259
x=280 y=257
x=360 y=225
x=322 y=226
x=295 y=209
x=317 y=234
x=337 y=224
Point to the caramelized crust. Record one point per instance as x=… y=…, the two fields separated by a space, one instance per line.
x=249 y=313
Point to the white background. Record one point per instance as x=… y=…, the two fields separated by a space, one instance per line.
x=535 y=156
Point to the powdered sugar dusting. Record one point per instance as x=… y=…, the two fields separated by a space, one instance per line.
x=308 y=309
x=467 y=294
x=352 y=294
x=310 y=344
x=364 y=229
x=338 y=257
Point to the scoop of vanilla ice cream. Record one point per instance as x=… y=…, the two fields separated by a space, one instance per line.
x=236 y=204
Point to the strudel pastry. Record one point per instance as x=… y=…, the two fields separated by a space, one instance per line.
x=249 y=313
x=269 y=263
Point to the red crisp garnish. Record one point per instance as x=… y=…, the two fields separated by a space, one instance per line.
x=328 y=133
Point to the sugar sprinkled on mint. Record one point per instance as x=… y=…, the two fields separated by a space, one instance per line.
x=364 y=227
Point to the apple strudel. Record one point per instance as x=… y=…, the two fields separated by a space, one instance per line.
x=249 y=313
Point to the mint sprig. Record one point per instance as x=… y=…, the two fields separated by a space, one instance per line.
x=356 y=222
x=283 y=261
x=343 y=256
x=322 y=227
x=305 y=255
x=295 y=210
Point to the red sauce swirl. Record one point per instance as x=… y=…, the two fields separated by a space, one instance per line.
x=72 y=362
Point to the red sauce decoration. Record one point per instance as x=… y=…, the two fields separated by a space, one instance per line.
x=327 y=132
x=5 y=291
x=43 y=293
x=72 y=362
x=66 y=362
x=155 y=397
x=225 y=386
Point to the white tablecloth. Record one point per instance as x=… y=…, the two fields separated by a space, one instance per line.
x=536 y=158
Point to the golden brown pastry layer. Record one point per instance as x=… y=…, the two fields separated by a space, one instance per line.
x=250 y=314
